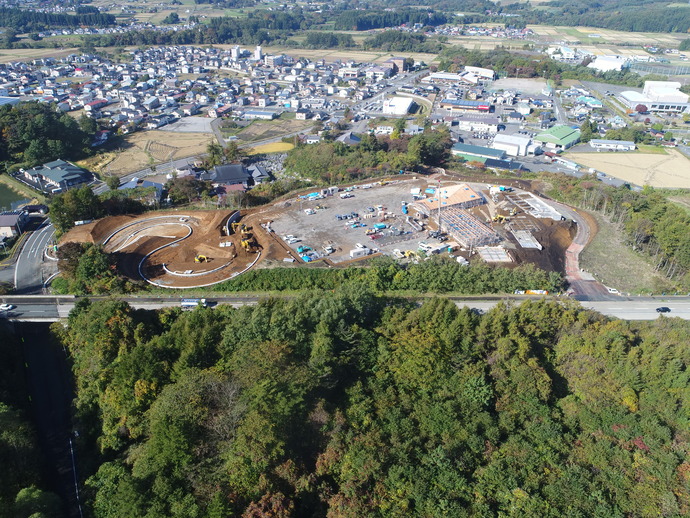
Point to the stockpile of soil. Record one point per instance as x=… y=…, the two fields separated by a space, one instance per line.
x=145 y=233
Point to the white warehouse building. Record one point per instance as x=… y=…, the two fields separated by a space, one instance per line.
x=612 y=145
x=397 y=106
x=514 y=145
x=609 y=63
x=658 y=96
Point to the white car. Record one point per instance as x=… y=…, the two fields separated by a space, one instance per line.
x=6 y=307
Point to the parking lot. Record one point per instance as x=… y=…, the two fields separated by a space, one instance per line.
x=317 y=228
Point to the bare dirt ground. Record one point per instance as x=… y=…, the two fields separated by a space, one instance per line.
x=132 y=238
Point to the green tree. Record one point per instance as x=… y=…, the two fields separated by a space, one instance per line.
x=214 y=154
x=112 y=181
x=32 y=501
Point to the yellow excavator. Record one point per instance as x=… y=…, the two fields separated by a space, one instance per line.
x=500 y=218
x=249 y=243
x=201 y=259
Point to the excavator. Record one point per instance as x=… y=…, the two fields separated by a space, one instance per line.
x=249 y=243
x=500 y=218
x=201 y=259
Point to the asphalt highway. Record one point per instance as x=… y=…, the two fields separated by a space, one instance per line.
x=45 y=309
x=27 y=272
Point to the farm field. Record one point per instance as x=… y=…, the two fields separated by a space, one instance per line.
x=146 y=148
x=7 y=55
x=671 y=169
x=264 y=130
x=276 y=147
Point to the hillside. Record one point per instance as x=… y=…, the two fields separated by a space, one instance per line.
x=348 y=405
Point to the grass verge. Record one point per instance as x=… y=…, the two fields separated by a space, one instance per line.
x=616 y=265
x=21 y=188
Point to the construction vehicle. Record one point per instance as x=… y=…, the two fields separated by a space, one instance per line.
x=249 y=243
x=244 y=229
x=514 y=211
x=500 y=218
x=201 y=259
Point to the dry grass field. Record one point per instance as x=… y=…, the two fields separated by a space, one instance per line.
x=629 y=272
x=7 y=55
x=671 y=169
x=146 y=148
x=276 y=147
x=263 y=130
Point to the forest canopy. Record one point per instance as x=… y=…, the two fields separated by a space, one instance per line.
x=347 y=405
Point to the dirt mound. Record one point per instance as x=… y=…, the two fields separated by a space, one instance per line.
x=148 y=242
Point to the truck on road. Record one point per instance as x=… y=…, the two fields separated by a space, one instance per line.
x=192 y=303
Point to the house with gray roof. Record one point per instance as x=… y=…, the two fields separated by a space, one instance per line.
x=12 y=223
x=57 y=176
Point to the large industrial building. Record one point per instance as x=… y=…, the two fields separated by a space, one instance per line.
x=658 y=96
x=558 y=137
x=609 y=63
x=478 y=123
x=463 y=105
x=476 y=153
x=612 y=145
x=397 y=106
x=514 y=145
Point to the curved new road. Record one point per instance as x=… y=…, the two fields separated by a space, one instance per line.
x=28 y=270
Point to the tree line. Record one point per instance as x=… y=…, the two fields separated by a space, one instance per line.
x=621 y=15
x=515 y=64
x=329 y=40
x=347 y=404
x=360 y=20
x=398 y=41
x=384 y=275
x=34 y=133
x=332 y=163
x=26 y=21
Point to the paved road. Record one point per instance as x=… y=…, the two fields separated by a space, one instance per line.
x=52 y=308
x=582 y=284
x=558 y=110
x=28 y=270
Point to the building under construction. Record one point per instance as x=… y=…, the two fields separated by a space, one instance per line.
x=458 y=196
x=466 y=229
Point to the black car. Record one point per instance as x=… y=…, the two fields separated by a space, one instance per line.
x=663 y=309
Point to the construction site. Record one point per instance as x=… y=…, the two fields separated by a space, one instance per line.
x=408 y=219
x=176 y=250
x=414 y=219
